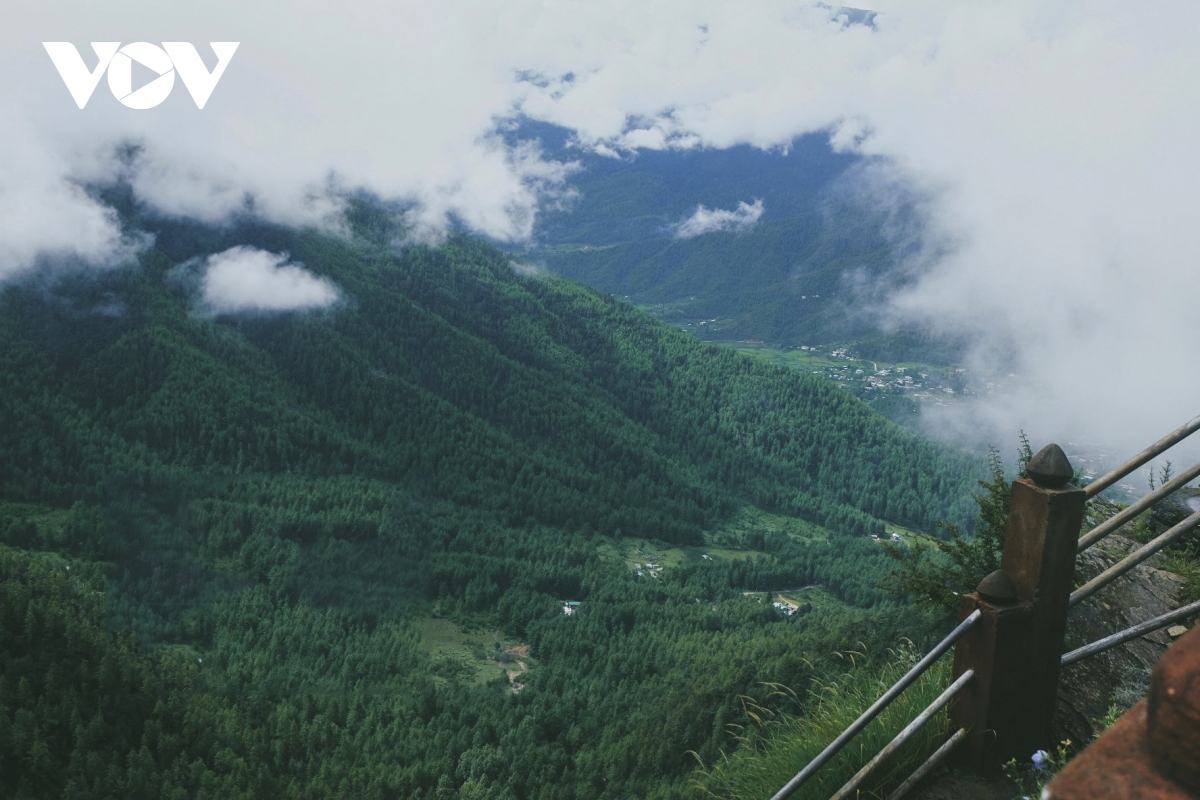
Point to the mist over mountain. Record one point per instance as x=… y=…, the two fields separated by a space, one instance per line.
x=792 y=245
x=645 y=194
x=362 y=434
x=1055 y=187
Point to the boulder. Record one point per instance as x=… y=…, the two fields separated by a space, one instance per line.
x=1172 y=510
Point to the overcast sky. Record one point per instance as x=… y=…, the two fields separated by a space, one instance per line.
x=1055 y=140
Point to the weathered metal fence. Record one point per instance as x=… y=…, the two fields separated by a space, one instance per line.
x=1009 y=641
x=891 y=694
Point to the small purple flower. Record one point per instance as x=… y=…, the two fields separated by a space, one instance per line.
x=1039 y=759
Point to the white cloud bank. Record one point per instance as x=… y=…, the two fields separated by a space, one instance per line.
x=708 y=220
x=247 y=280
x=1055 y=138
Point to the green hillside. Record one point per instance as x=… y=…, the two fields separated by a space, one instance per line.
x=278 y=505
x=783 y=281
x=814 y=269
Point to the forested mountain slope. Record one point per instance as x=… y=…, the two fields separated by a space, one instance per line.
x=283 y=500
x=829 y=240
x=792 y=280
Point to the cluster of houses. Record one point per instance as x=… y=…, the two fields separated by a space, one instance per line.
x=895 y=537
x=883 y=378
x=786 y=606
x=654 y=570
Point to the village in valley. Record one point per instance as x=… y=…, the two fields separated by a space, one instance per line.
x=646 y=559
x=840 y=363
x=866 y=377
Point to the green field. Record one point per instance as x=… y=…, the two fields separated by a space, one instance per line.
x=751 y=521
x=811 y=598
x=488 y=655
x=909 y=536
x=731 y=542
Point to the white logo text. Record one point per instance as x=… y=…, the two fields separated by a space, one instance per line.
x=164 y=61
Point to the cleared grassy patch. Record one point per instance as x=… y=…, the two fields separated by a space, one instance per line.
x=738 y=539
x=814 y=596
x=638 y=554
x=651 y=557
x=479 y=657
x=795 y=358
x=907 y=537
x=750 y=523
x=723 y=554
x=808 y=598
x=792 y=358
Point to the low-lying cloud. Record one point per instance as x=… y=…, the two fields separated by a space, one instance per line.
x=247 y=280
x=1054 y=138
x=710 y=220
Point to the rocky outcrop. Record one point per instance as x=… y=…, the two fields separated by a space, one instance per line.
x=1173 y=509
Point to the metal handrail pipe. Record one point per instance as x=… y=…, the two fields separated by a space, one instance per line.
x=1108 y=642
x=930 y=764
x=1133 y=509
x=1133 y=559
x=903 y=736
x=1170 y=440
x=865 y=718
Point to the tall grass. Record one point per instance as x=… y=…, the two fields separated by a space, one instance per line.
x=778 y=745
x=1185 y=562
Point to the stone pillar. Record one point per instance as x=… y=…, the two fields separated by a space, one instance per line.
x=1016 y=647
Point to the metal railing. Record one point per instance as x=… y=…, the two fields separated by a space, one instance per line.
x=968 y=675
x=865 y=718
x=1133 y=559
x=903 y=736
x=1141 y=629
x=1158 y=448
x=930 y=764
x=1133 y=509
x=1131 y=512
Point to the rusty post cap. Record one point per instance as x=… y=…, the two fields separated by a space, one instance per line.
x=1050 y=468
x=997 y=587
x=1173 y=714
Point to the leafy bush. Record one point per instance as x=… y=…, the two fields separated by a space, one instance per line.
x=937 y=571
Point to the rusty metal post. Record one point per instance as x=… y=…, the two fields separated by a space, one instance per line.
x=1016 y=648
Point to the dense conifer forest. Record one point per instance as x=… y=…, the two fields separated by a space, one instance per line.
x=228 y=540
